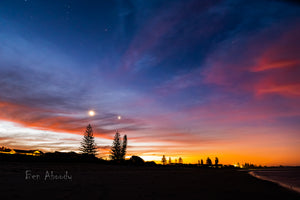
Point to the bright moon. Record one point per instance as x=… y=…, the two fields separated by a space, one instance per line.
x=91 y=113
x=119 y=117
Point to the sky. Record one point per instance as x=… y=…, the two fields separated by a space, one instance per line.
x=190 y=79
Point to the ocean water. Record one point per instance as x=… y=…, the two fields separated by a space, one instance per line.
x=286 y=177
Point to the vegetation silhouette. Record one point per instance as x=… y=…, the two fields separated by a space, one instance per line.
x=216 y=161
x=88 y=145
x=124 y=147
x=136 y=160
x=208 y=161
x=180 y=161
x=118 y=149
x=164 y=160
x=118 y=153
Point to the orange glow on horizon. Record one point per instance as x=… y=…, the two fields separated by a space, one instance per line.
x=265 y=147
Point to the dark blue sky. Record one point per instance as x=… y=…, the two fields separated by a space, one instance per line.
x=215 y=72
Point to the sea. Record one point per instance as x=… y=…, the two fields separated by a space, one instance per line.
x=288 y=177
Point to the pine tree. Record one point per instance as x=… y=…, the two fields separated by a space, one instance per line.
x=124 y=147
x=216 y=161
x=164 y=160
x=180 y=161
x=208 y=161
x=88 y=145
x=118 y=149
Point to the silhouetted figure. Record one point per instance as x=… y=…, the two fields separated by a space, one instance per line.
x=216 y=161
x=201 y=161
x=164 y=160
x=180 y=161
x=118 y=150
x=170 y=161
x=208 y=161
x=88 y=145
x=175 y=161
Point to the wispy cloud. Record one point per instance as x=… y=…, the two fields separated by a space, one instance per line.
x=195 y=74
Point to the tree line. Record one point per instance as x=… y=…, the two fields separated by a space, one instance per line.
x=119 y=146
x=89 y=147
x=164 y=160
x=180 y=161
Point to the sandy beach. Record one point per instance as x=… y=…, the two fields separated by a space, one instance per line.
x=286 y=177
x=98 y=181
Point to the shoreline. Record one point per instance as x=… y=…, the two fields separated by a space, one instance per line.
x=290 y=187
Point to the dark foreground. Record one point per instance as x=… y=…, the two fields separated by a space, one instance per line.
x=98 y=181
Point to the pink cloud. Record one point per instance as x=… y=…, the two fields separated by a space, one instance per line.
x=263 y=67
x=43 y=119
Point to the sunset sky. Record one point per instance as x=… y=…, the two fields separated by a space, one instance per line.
x=188 y=78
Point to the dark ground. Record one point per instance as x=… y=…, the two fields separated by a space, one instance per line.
x=99 y=181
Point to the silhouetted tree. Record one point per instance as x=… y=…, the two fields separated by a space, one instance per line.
x=124 y=147
x=180 y=161
x=88 y=145
x=118 y=149
x=170 y=161
x=216 y=161
x=208 y=161
x=201 y=162
x=164 y=160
